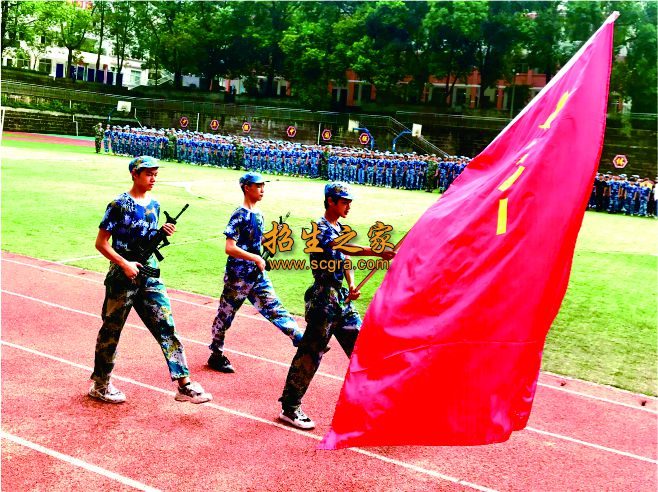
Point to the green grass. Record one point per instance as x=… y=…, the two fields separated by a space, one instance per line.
x=53 y=198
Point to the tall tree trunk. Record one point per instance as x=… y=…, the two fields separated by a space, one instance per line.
x=178 y=78
x=100 y=41
x=69 y=62
x=448 y=98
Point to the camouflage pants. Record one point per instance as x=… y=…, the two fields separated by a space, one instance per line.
x=260 y=293
x=150 y=300
x=97 y=144
x=327 y=314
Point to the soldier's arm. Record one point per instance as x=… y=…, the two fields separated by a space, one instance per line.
x=232 y=249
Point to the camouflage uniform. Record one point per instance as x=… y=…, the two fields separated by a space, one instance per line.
x=327 y=312
x=129 y=222
x=243 y=280
x=98 y=137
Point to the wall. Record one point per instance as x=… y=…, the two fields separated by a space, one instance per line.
x=30 y=120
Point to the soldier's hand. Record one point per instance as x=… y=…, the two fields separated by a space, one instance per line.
x=354 y=294
x=131 y=269
x=169 y=228
x=388 y=254
x=260 y=263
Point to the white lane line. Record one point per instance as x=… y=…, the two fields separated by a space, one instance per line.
x=184 y=339
x=601 y=398
x=324 y=374
x=597 y=385
x=595 y=446
x=261 y=319
x=531 y=429
x=77 y=462
x=237 y=413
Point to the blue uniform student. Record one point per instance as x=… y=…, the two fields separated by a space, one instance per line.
x=314 y=170
x=131 y=217
x=389 y=175
x=328 y=310
x=331 y=167
x=379 y=173
x=645 y=192
x=615 y=186
x=106 y=139
x=245 y=276
x=370 y=173
x=411 y=178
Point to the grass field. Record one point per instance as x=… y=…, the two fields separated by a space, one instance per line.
x=53 y=198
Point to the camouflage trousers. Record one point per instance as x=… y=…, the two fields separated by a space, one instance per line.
x=260 y=293
x=327 y=314
x=149 y=298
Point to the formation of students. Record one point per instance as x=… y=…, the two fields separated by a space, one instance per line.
x=633 y=196
x=132 y=218
x=333 y=163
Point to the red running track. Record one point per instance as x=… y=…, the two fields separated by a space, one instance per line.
x=581 y=436
x=43 y=138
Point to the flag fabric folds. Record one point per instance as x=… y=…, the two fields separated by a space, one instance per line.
x=451 y=345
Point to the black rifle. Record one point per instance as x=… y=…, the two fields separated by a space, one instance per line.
x=267 y=254
x=151 y=246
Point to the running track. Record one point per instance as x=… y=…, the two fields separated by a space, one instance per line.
x=52 y=139
x=580 y=436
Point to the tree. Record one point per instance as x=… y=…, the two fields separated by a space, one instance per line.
x=103 y=6
x=170 y=35
x=18 y=20
x=381 y=45
x=452 y=30
x=73 y=24
x=225 y=43
x=309 y=45
x=121 y=26
x=269 y=20
x=641 y=61
x=500 y=44
x=544 y=29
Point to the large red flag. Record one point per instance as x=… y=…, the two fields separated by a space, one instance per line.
x=451 y=345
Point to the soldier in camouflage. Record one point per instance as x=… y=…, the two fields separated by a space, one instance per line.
x=131 y=217
x=98 y=137
x=328 y=308
x=245 y=276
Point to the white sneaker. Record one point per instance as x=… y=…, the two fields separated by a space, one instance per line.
x=192 y=392
x=297 y=418
x=107 y=393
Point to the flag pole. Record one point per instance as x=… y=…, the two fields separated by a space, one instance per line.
x=374 y=270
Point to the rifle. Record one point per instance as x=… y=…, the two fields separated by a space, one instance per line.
x=151 y=246
x=266 y=254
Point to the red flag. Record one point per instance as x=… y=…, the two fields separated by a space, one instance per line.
x=450 y=348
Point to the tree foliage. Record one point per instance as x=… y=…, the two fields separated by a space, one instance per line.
x=395 y=45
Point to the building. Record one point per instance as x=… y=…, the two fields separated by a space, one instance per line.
x=52 y=61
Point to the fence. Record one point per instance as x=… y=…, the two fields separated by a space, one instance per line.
x=190 y=108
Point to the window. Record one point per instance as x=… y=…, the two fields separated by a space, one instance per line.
x=45 y=65
x=10 y=62
x=135 y=77
x=366 y=92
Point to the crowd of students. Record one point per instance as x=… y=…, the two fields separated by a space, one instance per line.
x=613 y=194
x=334 y=163
x=633 y=196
